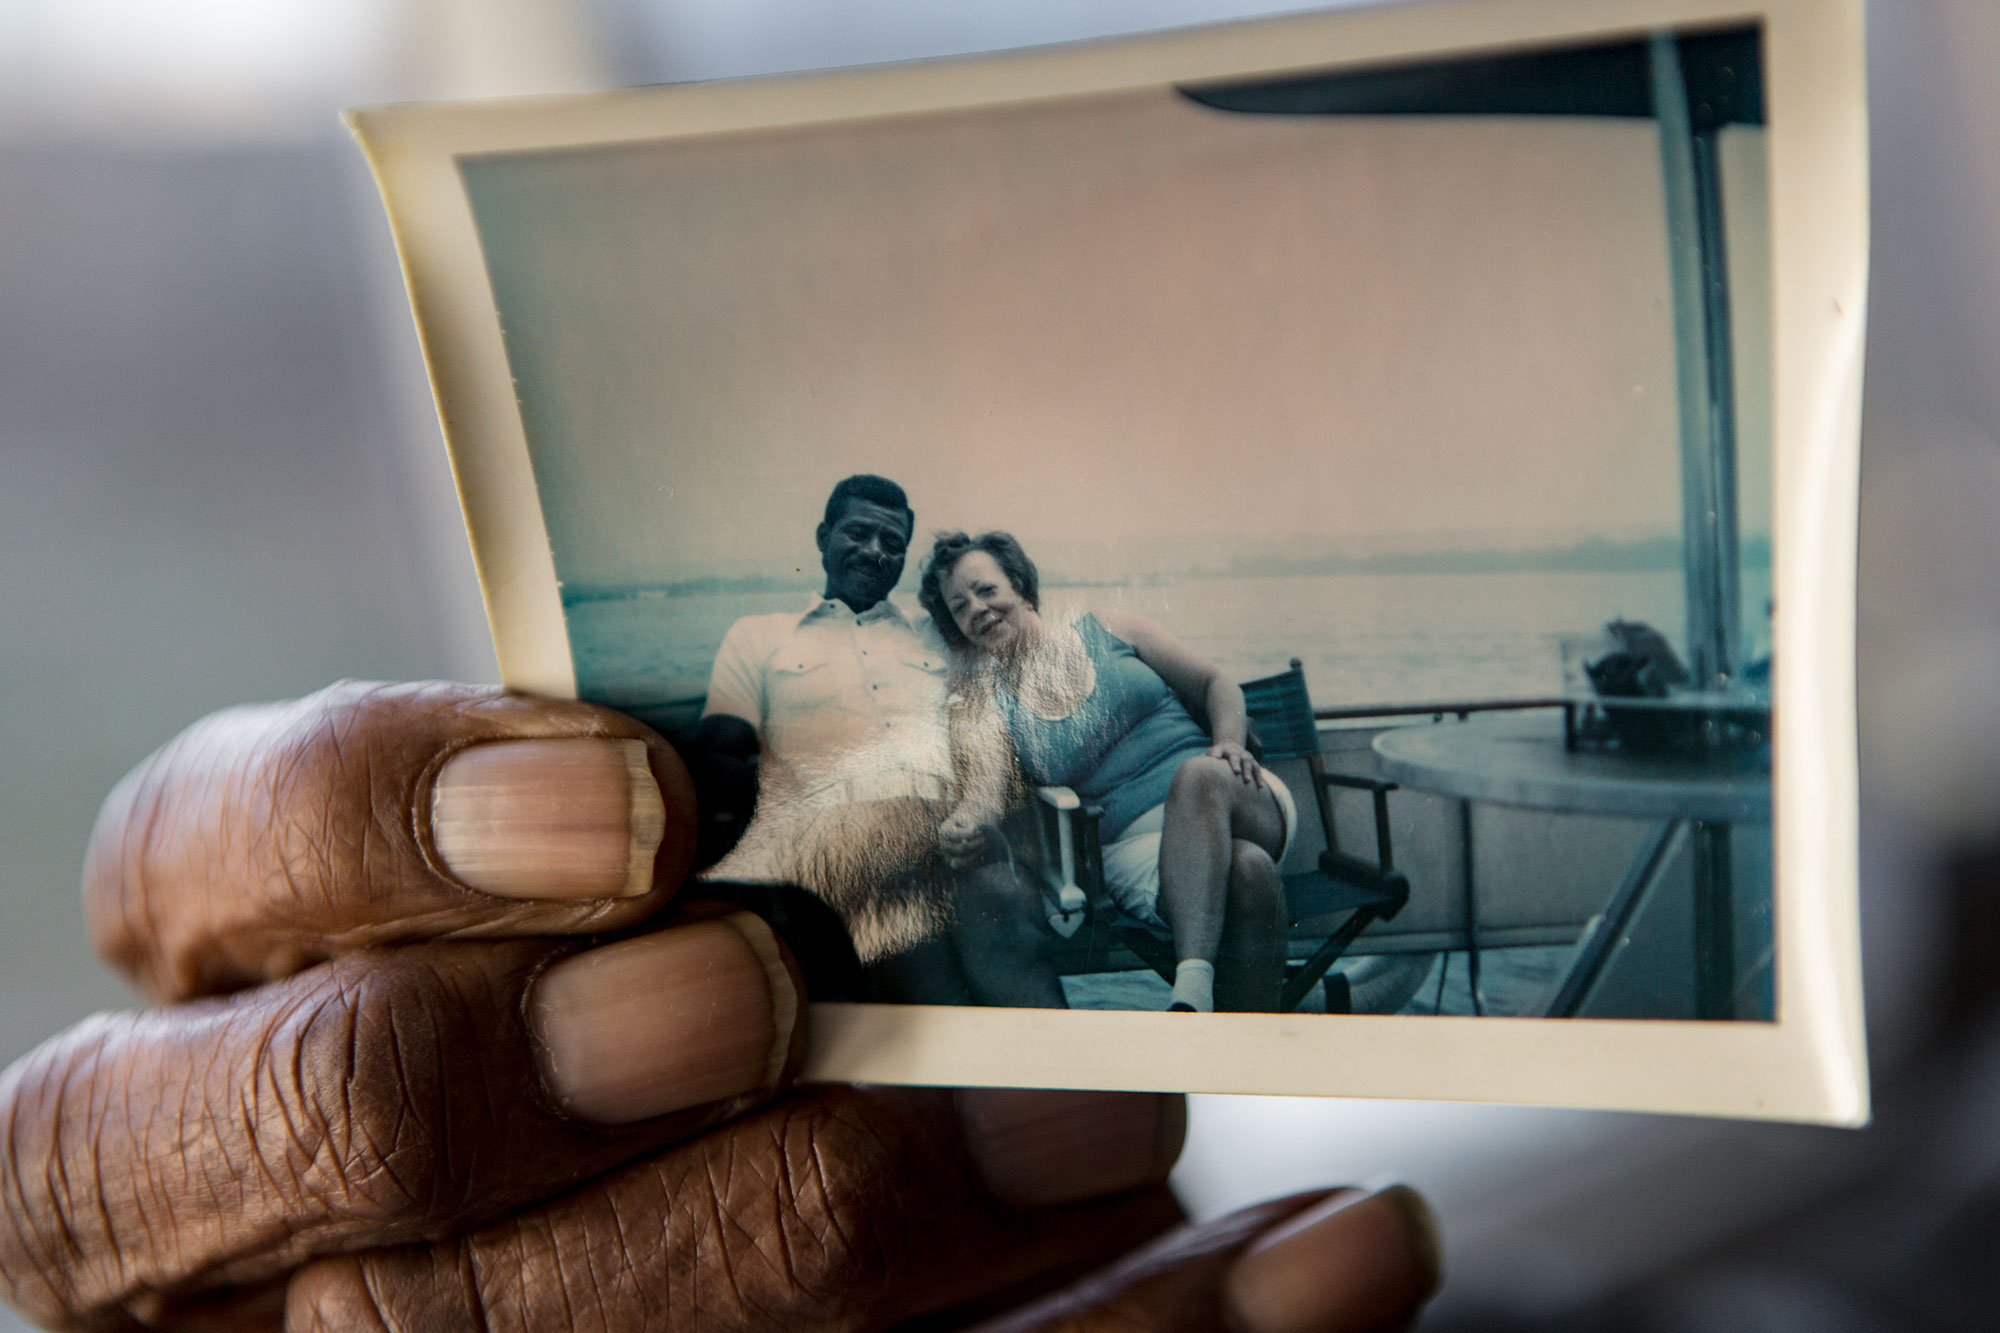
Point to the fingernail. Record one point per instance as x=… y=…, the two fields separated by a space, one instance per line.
x=1036 y=1148
x=664 y=1022
x=578 y=818
x=1355 y=1261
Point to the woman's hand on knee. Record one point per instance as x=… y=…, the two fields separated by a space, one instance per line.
x=1240 y=761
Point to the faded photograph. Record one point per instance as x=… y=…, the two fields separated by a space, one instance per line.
x=1300 y=545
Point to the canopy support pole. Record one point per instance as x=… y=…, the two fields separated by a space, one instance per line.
x=1691 y=176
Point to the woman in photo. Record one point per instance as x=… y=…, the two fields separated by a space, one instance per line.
x=1108 y=704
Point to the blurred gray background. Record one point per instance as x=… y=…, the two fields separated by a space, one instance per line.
x=220 y=480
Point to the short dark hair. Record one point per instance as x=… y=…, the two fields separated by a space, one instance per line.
x=873 y=489
x=951 y=547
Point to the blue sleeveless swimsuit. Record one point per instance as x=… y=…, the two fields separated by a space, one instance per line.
x=1120 y=746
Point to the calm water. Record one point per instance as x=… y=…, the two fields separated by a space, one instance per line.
x=1365 y=638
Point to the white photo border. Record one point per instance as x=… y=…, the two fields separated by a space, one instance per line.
x=1809 y=1064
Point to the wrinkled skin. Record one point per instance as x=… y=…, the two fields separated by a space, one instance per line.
x=332 y=1117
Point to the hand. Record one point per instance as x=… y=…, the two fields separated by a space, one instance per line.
x=488 y=1124
x=1241 y=762
x=962 y=838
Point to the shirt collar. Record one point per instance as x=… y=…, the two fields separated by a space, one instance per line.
x=824 y=608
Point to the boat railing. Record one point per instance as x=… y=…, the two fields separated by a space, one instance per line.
x=1436 y=711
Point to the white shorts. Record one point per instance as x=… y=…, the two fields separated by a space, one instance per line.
x=1132 y=864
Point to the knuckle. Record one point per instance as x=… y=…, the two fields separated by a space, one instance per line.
x=817 y=1180
x=359 y=1097
x=225 y=844
x=168 y=824
x=47 y=1251
x=326 y=790
x=787 y=1221
x=113 y=866
x=225 y=1142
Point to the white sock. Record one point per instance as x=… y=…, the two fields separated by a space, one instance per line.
x=1194 y=985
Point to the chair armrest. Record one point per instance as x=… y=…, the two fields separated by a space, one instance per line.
x=1066 y=856
x=1058 y=798
x=1379 y=790
x=1386 y=880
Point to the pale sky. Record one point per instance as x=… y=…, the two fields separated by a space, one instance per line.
x=1130 y=322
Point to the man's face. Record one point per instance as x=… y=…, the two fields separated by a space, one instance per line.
x=863 y=553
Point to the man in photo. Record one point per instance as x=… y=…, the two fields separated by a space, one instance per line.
x=835 y=718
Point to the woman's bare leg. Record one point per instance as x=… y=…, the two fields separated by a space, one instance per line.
x=1250 y=967
x=1208 y=809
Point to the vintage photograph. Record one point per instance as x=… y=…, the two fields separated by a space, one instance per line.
x=1289 y=543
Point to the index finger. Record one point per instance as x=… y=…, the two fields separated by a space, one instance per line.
x=262 y=840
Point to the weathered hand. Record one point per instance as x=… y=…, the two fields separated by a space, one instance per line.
x=962 y=838
x=395 y=1088
x=1241 y=762
x=389 y=1093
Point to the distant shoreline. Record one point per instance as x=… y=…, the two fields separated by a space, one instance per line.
x=1591 y=556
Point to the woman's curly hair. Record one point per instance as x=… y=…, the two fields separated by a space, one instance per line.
x=948 y=549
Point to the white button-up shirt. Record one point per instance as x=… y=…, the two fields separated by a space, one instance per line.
x=847 y=707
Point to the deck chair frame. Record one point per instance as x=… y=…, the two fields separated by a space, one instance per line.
x=1329 y=905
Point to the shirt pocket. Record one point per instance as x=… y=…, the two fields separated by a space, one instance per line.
x=803 y=679
x=916 y=658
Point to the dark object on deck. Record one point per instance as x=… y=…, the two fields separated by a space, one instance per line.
x=1329 y=905
x=1643 y=666
x=1643 y=705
